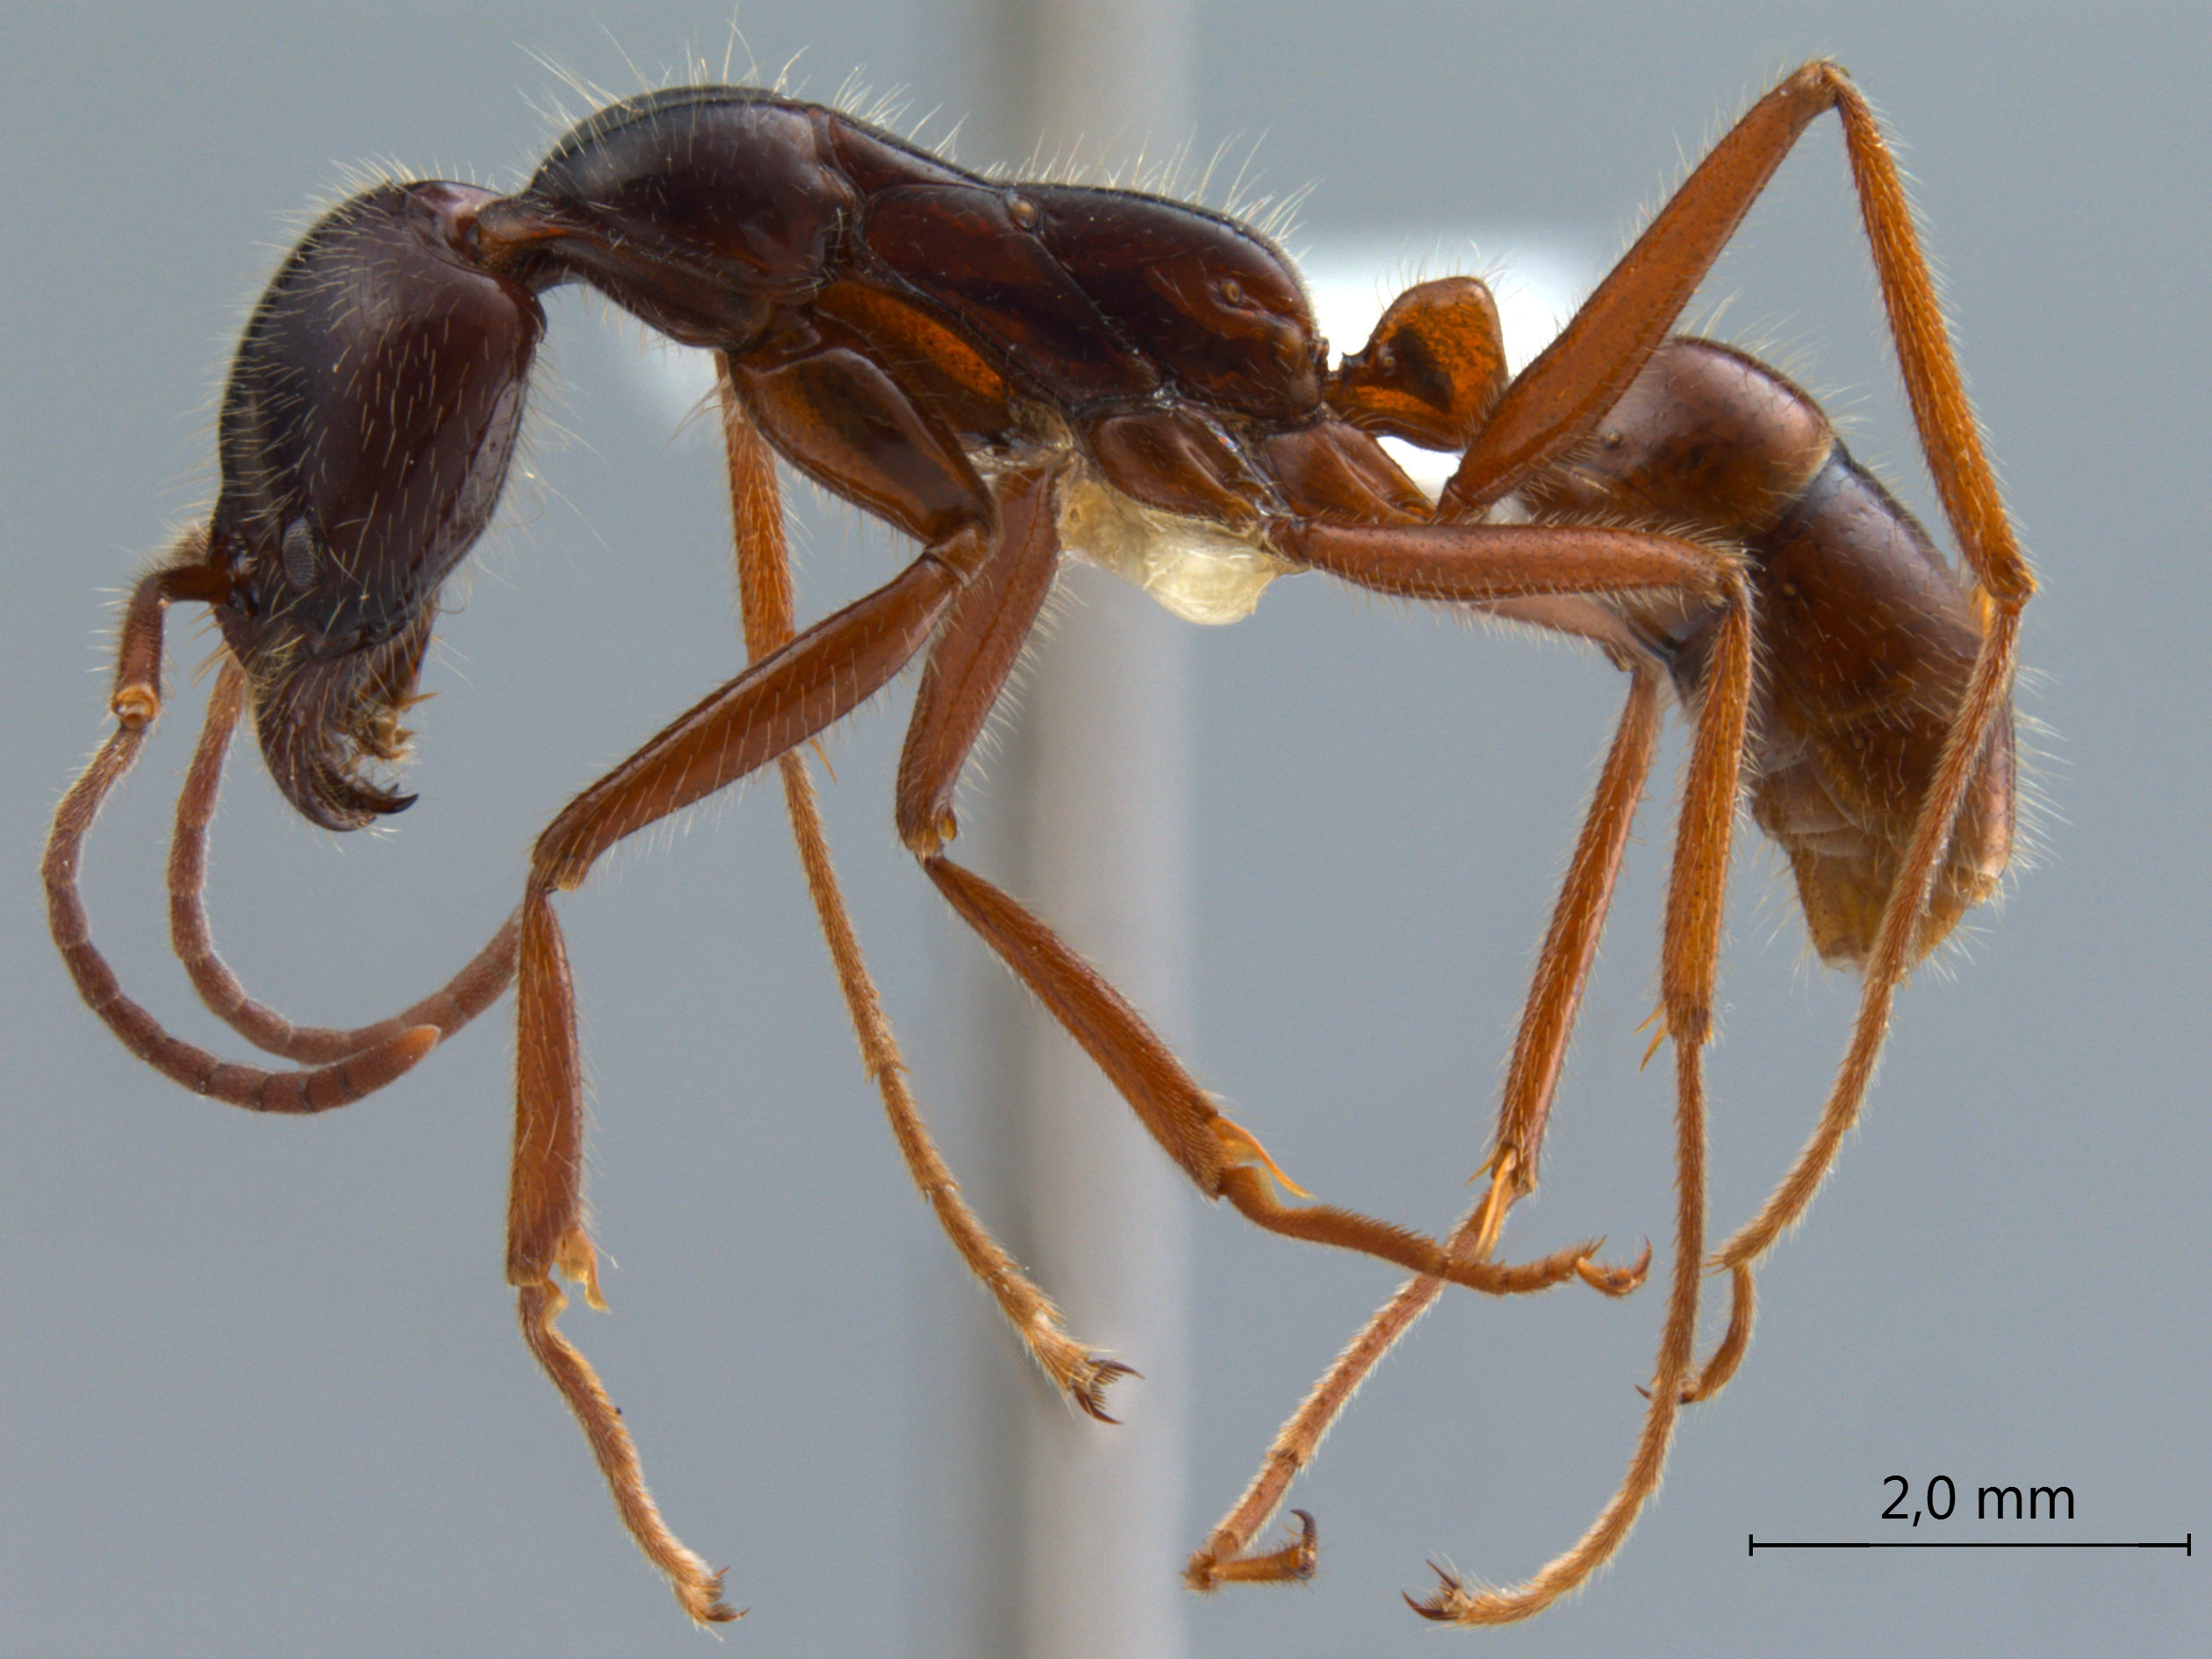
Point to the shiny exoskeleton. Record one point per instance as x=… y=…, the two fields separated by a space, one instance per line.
x=367 y=426
x=1012 y=372
x=1869 y=635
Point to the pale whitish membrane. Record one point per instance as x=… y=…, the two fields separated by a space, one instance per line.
x=1199 y=570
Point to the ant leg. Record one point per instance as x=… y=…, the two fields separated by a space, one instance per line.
x=834 y=412
x=1950 y=441
x=1896 y=950
x=1220 y=1156
x=764 y=584
x=1477 y=564
x=1696 y=891
x=1951 y=437
x=136 y=702
x=467 y=994
x=1557 y=399
x=967 y=668
x=1457 y=563
x=775 y=705
x=1540 y=1051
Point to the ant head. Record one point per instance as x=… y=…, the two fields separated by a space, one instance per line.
x=366 y=431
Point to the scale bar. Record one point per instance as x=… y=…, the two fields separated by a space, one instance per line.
x=2185 y=1543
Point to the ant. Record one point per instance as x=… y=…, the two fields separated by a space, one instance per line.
x=1011 y=372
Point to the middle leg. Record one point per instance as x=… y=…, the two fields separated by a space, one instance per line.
x=765 y=592
x=967 y=668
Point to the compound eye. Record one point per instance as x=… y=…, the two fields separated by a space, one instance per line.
x=299 y=554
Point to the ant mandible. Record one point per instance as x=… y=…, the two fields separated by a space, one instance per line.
x=1011 y=372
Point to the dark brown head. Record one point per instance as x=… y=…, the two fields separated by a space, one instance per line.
x=366 y=431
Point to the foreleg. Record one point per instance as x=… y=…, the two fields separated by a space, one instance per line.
x=775 y=705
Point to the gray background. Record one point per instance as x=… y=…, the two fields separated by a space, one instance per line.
x=261 y=1390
